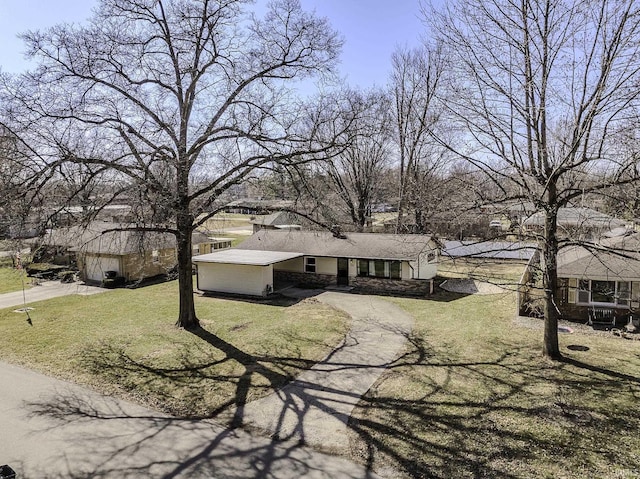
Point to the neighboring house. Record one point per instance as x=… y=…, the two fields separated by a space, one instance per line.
x=502 y=250
x=100 y=247
x=576 y=223
x=270 y=259
x=452 y=223
x=57 y=245
x=203 y=244
x=248 y=206
x=134 y=255
x=605 y=276
x=279 y=220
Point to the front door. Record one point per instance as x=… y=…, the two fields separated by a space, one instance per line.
x=343 y=271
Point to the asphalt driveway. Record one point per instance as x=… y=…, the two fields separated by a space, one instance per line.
x=51 y=429
x=46 y=290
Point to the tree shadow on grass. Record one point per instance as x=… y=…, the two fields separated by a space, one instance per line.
x=429 y=416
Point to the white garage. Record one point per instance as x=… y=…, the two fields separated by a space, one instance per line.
x=238 y=271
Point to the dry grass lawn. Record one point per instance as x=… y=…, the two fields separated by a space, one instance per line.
x=12 y=279
x=473 y=398
x=124 y=342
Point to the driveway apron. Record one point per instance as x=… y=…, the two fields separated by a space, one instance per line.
x=46 y=290
x=315 y=408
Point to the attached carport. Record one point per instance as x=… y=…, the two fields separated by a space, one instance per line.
x=238 y=271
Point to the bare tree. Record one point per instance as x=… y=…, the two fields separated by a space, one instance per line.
x=355 y=174
x=543 y=90
x=417 y=90
x=183 y=99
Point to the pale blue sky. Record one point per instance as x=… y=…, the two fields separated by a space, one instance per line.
x=371 y=29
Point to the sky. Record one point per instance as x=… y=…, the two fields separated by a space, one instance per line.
x=372 y=29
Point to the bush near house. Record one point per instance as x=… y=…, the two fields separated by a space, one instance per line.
x=44 y=270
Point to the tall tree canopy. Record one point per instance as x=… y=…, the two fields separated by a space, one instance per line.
x=183 y=99
x=544 y=91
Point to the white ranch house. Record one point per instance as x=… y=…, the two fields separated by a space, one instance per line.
x=270 y=260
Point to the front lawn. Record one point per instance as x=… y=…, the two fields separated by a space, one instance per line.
x=12 y=279
x=124 y=342
x=473 y=398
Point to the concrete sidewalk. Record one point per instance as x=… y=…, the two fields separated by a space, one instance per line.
x=46 y=290
x=315 y=408
x=56 y=430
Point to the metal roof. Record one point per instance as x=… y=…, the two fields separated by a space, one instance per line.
x=245 y=256
x=489 y=249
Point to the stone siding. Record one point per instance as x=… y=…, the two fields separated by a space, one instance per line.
x=413 y=287
x=309 y=280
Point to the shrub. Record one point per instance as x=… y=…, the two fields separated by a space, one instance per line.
x=111 y=283
x=44 y=270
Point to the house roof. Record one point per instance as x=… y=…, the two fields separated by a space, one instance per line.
x=96 y=237
x=244 y=256
x=279 y=218
x=489 y=249
x=577 y=218
x=354 y=245
x=127 y=242
x=615 y=259
x=75 y=236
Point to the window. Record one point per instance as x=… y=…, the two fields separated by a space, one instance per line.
x=363 y=267
x=395 y=270
x=196 y=249
x=607 y=292
x=624 y=293
x=583 y=291
x=603 y=291
x=379 y=268
x=309 y=265
x=155 y=256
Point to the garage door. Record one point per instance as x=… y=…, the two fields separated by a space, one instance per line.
x=96 y=266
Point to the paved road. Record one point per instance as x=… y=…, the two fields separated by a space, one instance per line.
x=315 y=408
x=46 y=290
x=50 y=429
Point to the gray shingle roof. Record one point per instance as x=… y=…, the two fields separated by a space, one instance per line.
x=127 y=242
x=612 y=259
x=277 y=218
x=356 y=245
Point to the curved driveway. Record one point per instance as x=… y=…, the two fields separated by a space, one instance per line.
x=52 y=429
x=315 y=408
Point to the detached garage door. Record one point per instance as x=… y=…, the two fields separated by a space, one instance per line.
x=95 y=266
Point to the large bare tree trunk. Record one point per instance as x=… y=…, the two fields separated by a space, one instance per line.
x=187 y=314
x=549 y=247
x=180 y=99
